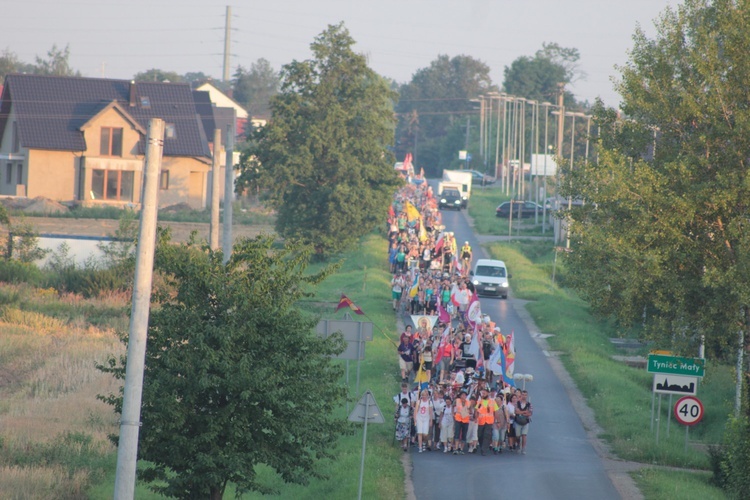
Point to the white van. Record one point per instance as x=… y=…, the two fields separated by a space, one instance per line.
x=490 y=277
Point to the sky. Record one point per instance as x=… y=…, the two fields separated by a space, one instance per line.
x=117 y=39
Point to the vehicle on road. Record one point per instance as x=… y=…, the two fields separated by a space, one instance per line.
x=490 y=277
x=450 y=198
x=457 y=179
x=481 y=179
x=522 y=208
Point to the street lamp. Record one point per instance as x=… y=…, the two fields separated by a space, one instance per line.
x=525 y=377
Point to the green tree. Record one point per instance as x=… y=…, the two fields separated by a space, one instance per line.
x=662 y=240
x=57 y=63
x=235 y=375
x=433 y=109
x=255 y=88
x=323 y=157
x=9 y=63
x=537 y=77
x=157 y=75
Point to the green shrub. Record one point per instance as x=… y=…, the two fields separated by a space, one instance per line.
x=14 y=271
x=731 y=462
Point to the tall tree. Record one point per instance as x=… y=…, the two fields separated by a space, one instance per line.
x=255 y=88
x=235 y=375
x=157 y=75
x=9 y=63
x=537 y=77
x=323 y=157
x=57 y=63
x=434 y=106
x=663 y=239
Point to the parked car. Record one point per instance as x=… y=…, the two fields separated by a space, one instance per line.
x=525 y=208
x=450 y=198
x=480 y=179
x=490 y=277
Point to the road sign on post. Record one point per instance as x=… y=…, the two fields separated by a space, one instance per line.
x=665 y=383
x=688 y=410
x=691 y=367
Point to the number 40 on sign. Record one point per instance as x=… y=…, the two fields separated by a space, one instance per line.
x=688 y=410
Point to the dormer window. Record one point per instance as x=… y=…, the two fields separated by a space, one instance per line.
x=145 y=102
x=169 y=131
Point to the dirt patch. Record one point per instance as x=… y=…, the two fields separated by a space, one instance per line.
x=45 y=206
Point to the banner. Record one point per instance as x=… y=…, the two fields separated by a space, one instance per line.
x=423 y=321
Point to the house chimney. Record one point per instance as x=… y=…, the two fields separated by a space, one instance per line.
x=132 y=93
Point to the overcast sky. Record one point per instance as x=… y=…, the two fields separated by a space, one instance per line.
x=117 y=39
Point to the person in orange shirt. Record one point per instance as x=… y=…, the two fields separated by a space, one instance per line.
x=486 y=408
x=461 y=416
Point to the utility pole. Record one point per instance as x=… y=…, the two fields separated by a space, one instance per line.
x=227 y=30
x=130 y=422
x=560 y=127
x=213 y=233
x=229 y=190
x=466 y=147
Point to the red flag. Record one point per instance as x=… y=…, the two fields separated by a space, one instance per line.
x=443 y=342
x=439 y=244
x=443 y=315
x=347 y=302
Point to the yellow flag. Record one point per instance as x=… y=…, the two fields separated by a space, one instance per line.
x=422 y=231
x=411 y=212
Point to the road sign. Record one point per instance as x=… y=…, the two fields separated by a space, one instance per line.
x=688 y=410
x=367 y=409
x=349 y=329
x=692 y=367
x=665 y=383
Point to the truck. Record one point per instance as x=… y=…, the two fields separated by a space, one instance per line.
x=457 y=179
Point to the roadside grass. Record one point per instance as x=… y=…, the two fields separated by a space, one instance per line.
x=482 y=209
x=657 y=484
x=620 y=395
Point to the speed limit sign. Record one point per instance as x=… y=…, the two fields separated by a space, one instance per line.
x=688 y=410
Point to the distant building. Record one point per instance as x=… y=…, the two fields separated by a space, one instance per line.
x=83 y=139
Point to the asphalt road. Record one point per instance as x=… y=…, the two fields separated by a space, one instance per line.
x=560 y=462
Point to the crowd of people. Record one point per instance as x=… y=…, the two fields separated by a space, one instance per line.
x=457 y=389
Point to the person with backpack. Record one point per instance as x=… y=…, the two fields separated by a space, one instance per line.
x=524 y=410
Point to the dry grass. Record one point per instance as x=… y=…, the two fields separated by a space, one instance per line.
x=26 y=483
x=48 y=389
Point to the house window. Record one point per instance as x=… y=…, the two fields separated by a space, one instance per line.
x=19 y=177
x=169 y=131
x=111 y=142
x=145 y=102
x=15 y=139
x=164 y=180
x=8 y=173
x=114 y=185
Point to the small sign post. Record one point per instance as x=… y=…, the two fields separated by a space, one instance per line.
x=366 y=410
x=688 y=411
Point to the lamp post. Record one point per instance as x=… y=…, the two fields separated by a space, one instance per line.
x=547 y=150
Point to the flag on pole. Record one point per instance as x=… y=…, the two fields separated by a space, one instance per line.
x=443 y=315
x=441 y=346
x=495 y=363
x=510 y=358
x=474 y=311
x=454 y=291
x=347 y=302
x=439 y=244
x=474 y=346
x=457 y=263
x=414 y=287
x=412 y=213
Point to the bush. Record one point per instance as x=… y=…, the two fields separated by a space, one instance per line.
x=731 y=463
x=13 y=271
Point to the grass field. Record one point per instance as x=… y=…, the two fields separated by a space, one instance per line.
x=53 y=430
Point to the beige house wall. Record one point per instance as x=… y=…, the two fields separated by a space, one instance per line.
x=181 y=182
x=51 y=174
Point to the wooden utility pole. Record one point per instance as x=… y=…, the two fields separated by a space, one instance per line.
x=127 y=449
x=213 y=240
